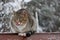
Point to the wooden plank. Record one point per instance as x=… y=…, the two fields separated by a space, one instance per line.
x=36 y=36
x=45 y=36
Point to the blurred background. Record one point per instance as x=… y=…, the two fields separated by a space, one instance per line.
x=46 y=13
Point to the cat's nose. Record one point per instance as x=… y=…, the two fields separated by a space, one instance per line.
x=18 y=23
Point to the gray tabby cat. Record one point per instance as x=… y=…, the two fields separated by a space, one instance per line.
x=23 y=23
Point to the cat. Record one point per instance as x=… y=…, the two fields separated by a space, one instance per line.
x=23 y=22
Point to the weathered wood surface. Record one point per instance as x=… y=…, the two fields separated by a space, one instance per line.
x=37 y=36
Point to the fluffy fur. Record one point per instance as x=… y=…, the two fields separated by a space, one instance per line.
x=23 y=22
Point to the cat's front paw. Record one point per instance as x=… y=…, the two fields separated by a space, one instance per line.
x=29 y=33
x=22 y=34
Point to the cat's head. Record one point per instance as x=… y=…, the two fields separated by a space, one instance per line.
x=21 y=16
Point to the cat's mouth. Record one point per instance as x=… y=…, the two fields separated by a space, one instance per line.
x=18 y=23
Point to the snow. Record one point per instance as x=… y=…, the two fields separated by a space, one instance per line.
x=14 y=6
x=27 y=0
